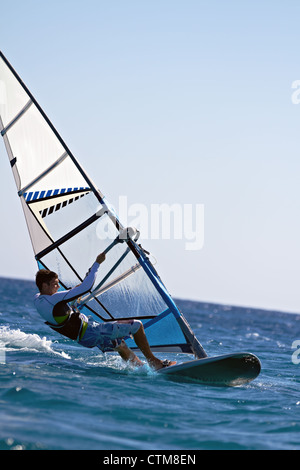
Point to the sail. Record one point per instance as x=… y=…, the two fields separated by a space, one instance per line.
x=70 y=221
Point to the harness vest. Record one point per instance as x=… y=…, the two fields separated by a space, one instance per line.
x=73 y=326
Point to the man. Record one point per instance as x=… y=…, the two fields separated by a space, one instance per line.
x=54 y=307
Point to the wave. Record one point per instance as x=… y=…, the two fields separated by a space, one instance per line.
x=10 y=340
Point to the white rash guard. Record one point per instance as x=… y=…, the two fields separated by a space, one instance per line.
x=58 y=313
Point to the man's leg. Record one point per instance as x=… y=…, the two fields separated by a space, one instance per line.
x=142 y=343
x=128 y=355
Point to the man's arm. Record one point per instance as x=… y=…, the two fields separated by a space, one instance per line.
x=82 y=288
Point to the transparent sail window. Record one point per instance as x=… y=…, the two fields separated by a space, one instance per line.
x=135 y=296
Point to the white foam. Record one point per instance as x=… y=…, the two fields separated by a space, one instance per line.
x=12 y=339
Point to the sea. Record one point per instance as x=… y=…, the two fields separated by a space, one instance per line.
x=57 y=395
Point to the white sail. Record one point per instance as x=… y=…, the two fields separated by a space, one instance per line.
x=70 y=222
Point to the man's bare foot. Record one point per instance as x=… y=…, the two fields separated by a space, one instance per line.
x=157 y=364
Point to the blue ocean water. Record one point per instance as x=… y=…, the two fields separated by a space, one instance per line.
x=55 y=394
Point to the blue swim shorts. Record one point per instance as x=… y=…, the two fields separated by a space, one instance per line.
x=108 y=336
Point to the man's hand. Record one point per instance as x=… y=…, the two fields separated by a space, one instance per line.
x=100 y=258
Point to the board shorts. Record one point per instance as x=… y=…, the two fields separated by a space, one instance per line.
x=108 y=336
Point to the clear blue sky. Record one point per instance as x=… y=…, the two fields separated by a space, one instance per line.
x=174 y=102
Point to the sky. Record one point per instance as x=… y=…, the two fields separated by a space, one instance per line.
x=174 y=102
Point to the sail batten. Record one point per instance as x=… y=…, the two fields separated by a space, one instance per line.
x=43 y=174
x=70 y=222
x=16 y=118
x=70 y=235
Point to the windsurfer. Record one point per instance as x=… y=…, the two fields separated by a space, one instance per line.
x=54 y=306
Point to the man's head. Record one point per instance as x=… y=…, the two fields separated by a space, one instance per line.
x=47 y=282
